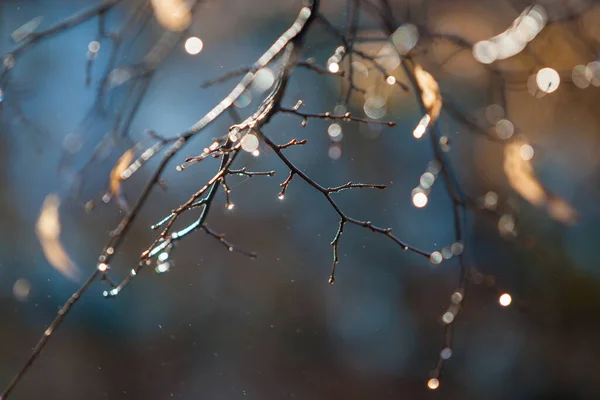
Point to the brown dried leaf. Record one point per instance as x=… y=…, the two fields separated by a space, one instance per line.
x=120 y=167
x=174 y=15
x=430 y=92
x=48 y=233
x=521 y=177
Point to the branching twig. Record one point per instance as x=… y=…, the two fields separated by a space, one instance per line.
x=345 y=117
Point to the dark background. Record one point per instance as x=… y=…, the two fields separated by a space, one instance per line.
x=221 y=326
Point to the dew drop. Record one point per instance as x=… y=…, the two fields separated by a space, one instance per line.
x=448 y=317
x=102 y=267
x=162 y=267
x=436 y=257
x=433 y=383
x=446 y=353
x=505 y=300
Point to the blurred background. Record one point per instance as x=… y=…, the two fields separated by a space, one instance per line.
x=219 y=325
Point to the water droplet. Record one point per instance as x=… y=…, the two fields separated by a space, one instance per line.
x=339 y=109
x=21 y=289
x=447 y=253
x=457 y=248
x=506 y=225
x=335 y=152
x=163 y=267
x=334 y=130
x=505 y=300
x=445 y=144
x=448 y=317
x=490 y=200
x=436 y=257
x=427 y=180
x=456 y=297
x=8 y=61
x=504 y=129
x=485 y=52
x=433 y=383
x=547 y=80
x=419 y=198
x=250 y=142
x=94 y=46
x=446 y=353
x=526 y=152
x=193 y=45
x=102 y=267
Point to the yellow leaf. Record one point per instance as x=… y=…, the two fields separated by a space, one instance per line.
x=117 y=171
x=430 y=92
x=521 y=177
x=48 y=233
x=174 y=15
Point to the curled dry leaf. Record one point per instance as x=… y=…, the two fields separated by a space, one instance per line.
x=430 y=92
x=117 y=171
x=116 y=176
x=431 y=98
x=521 y=177
x=48 y=233
x=174 y=15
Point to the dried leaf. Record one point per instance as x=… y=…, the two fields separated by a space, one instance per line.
x=117 y=171
x=521 y=177
x=48 y=233
x=174 y=15
x=430 y=92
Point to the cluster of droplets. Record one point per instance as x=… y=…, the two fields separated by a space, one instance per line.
x=333 y=63
x=507 y=221
x=446 y=253
x=421 y=192
x=163 y=261
x=495 y=116
x=335 y=134
x=421 y=127
x=584 y=75
x=250 y=144
x=512 y=41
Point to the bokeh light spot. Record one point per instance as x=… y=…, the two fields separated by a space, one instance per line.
x=547 y=80
x=193 y=45
x=505 y=300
